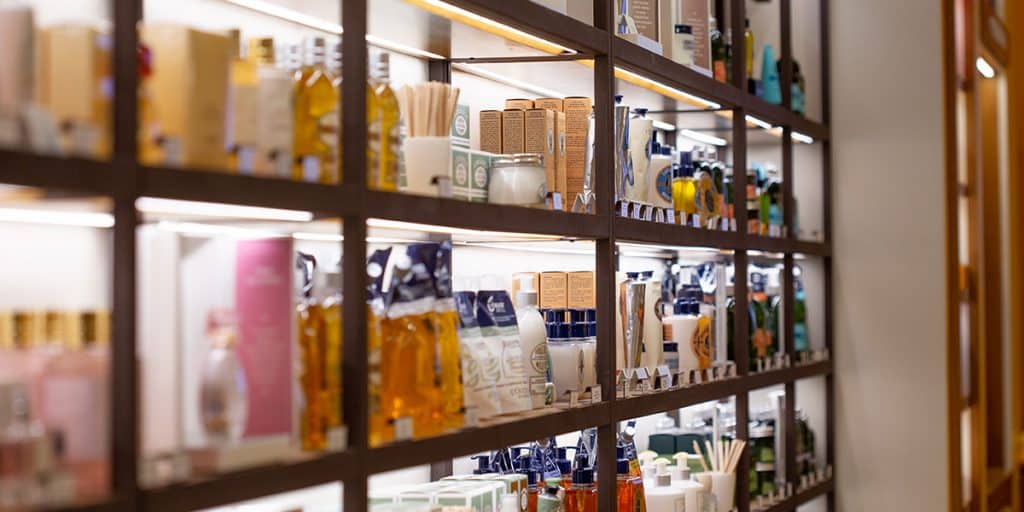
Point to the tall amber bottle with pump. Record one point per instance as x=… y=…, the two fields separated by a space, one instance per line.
x=316 y=103
x=383 y=128
x=446 y=322
x=381 y=429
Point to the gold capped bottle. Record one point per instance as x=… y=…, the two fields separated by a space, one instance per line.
x=446 y=322
x=382 y=172
x=683 y=189
x=316 y=104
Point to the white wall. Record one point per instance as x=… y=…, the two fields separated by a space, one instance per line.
x=889 y=286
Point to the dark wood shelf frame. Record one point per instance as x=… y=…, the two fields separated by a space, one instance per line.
x=123 y=180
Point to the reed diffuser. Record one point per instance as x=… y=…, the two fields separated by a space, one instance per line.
x=719 y=460
x=428 y=109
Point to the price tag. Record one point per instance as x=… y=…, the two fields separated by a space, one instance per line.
x=10 y=131
x=246 y=157
x=659 y=215
x=595 y=394
x=624 y=209
x=403 y=428
x=648 y=212
x=174 y=153
x=574 y=399
x=282 y=164
x=555 y=200
x=732 y=225
x=695 y=221
x=337 y=438
x=638 y=212
x=760 y=365
x=670 y=216
x=472 y=417
x=85 y=138
x=311 y=168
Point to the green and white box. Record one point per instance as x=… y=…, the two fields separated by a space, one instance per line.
x=470 y=174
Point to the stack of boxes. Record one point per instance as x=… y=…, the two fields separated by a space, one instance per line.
x=555 y=128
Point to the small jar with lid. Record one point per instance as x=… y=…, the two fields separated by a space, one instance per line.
x=518 y=180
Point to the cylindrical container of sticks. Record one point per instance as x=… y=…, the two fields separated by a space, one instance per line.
x=719 y=476
x=428 y=110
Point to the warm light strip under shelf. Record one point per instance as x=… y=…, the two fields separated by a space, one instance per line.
x=412 y=226
x=159 y=206
x=57 y=217
x=664 y=90
x=474 y=20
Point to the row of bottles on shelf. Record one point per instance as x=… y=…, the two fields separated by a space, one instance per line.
x=542 y=477
x=54 y=389
x=688 y=33
x=765 y=311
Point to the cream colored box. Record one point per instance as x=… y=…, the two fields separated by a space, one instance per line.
x=553 y=290
x=189 y=92
x=518 y=103
x=580 y=293
x=540 y=139
x=77 y=75
x=490 y=131
x=548 y=103
x=560 y=173
x=577 y=126
x=513 y=131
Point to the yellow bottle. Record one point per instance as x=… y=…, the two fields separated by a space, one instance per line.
x=383 y=133
x=446 y=323
x=316 y=104
x=381 y=430
x=312 y=427
x=684 y=191
x=333 y=349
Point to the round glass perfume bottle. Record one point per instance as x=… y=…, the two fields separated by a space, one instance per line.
x=224 y=398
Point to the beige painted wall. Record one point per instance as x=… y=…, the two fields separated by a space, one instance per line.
x=889 y=289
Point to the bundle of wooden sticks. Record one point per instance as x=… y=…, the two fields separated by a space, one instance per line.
x=428 y=108
x=722 y=456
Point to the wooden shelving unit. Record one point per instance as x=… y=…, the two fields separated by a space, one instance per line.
x=123 y=181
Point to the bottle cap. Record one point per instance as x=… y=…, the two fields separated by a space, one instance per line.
x=640 y=111
x=564 y=466
x=483 y=464
x=679 y=306
x=666 y=150
x=618 y=98
x=647 y=274
x=527 y=295
x=622 y=466
x=670 y=346
x=583 y=476
x=554 y=315
x=592 y=329
x=551 y=490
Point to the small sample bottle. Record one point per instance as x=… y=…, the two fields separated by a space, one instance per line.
x=684 y=191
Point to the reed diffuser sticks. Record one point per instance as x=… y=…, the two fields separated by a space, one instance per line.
x=722 y=456
x=428 y=108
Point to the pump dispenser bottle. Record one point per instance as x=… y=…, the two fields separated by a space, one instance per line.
x=533 y=335
x=663 y=497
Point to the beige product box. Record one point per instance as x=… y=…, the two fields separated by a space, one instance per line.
x=479 y=496
x=513 y=131
x=577 y=124
x=560 y=160
x=189 y=92
x=696 y=14
x=77 y=75
x=540 y=138
x=581 y=290
x=490 y=131
x=518 y=103
x=552 y=293
x=548 y=103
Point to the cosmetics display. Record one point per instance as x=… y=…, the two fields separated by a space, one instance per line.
x=765 y=203
x=54 y=392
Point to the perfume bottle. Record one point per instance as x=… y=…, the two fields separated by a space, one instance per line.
x=75 y=391
x=383 y=129
x=316 y=101
x=223 y=396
